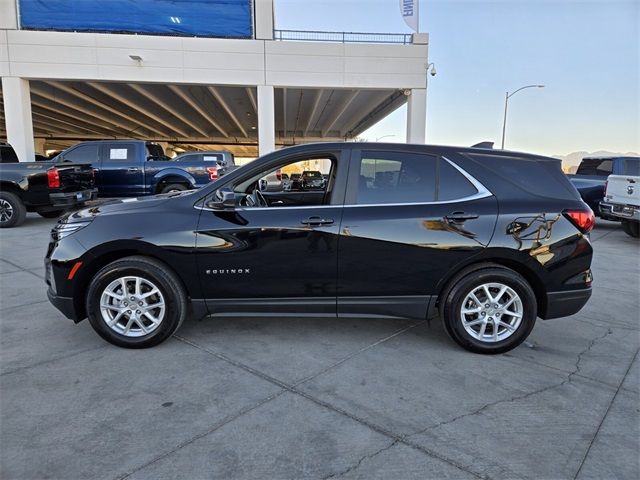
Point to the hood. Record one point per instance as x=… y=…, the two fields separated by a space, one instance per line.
x=116 y=206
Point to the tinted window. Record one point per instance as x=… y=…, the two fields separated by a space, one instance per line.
x=452 y=184
x=394 y=177
x=631 y=166
x=540 y=177
x=83 y=154
x=7 y=155
x=595 y=166
x=189 y=158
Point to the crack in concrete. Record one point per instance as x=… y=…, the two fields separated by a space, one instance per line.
x=576 y=371
x=285 y=388
x=606 y=413
x=356 y=465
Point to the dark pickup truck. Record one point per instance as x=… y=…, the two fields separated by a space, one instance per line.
x=41 y=187
x=591 y=176
x=127 y=168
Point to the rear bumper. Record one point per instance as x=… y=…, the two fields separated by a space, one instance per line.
x=618 y=211
x=71 y=199
x=563 y=304
x=65 y=305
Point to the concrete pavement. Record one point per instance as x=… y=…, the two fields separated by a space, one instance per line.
x=305 y=398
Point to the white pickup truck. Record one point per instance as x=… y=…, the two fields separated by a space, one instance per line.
x=622 y=200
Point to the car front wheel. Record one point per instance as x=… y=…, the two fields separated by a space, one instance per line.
x=490 y=310
x=136 y=302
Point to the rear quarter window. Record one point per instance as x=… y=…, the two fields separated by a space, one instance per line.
x=538 y=177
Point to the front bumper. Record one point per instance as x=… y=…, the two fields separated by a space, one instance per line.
x=620 y=211
x=71 y=199
x=563 y=304
x=65 y=305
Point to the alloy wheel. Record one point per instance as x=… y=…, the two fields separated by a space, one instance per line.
x=6 y=211
x=132 y=306
x=491 y=312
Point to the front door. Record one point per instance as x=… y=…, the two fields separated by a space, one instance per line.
x=273 y=252
x=408 y=219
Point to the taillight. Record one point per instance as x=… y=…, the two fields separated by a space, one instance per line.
x=53 y=178
x=606 y=184
x=213 y=173
x=583 y=219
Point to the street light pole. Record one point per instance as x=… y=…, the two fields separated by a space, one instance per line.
x=506 y=104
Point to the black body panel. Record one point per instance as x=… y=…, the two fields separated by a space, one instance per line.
x=303 y=257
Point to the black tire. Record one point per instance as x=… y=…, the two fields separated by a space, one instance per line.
x=50 y=213
x=162 y=277
x=452 y=301
x=631 y=228
x=174 y=187
x=12 y=210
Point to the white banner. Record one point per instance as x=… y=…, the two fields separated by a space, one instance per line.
x=409 y=11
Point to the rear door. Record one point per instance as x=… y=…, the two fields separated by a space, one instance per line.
x=121 y=170
x=409 y=218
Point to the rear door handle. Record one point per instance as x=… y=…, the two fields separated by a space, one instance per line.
x=316 y=221
x=133 y=169
x=461 y=216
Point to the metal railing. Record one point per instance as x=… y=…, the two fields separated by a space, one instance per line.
x=341 y=37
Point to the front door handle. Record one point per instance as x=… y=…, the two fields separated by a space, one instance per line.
x=461 y=216
x=133 y=169
x=317 y=221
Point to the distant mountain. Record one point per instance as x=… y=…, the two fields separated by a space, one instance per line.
x=572 y=160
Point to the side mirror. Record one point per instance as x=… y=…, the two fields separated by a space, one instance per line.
x=225 y=199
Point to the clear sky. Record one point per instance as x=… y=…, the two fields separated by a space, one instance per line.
x=587 y=53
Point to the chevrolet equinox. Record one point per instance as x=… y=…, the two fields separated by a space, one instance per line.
x=487 y=240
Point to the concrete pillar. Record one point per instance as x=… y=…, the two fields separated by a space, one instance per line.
x=39 y=145
x=417 y=116
x=8 y=15
x=17 y=115
x=266 y=120
x=263 y=15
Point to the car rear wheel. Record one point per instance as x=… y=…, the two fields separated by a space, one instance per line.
x=631 y=228
x=490 y=310
x=12 y=210
x=174 y=187
x=136 y=302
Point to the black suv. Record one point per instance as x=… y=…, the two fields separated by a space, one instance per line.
x=489 y=240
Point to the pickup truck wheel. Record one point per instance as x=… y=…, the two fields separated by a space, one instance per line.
x=173 y=187
x=490 y=310
x=51 y=213
x=631 y=228
x=12 y=210
x=136 y=302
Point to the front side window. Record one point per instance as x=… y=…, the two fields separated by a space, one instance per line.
x=396 y=177
x=84 y=153
x=305 y=182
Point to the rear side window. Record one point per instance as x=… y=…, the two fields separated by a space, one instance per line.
x=83 y=154
x=396 y=177
x=595 y=166
x=452 y=184
x=117 y=152
x=7 y=155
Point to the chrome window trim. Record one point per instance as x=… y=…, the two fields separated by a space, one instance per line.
x=482 y=192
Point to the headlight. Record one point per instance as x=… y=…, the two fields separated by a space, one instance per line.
x=62 y=230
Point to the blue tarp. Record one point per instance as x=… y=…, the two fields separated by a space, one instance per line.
x=211 y=18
